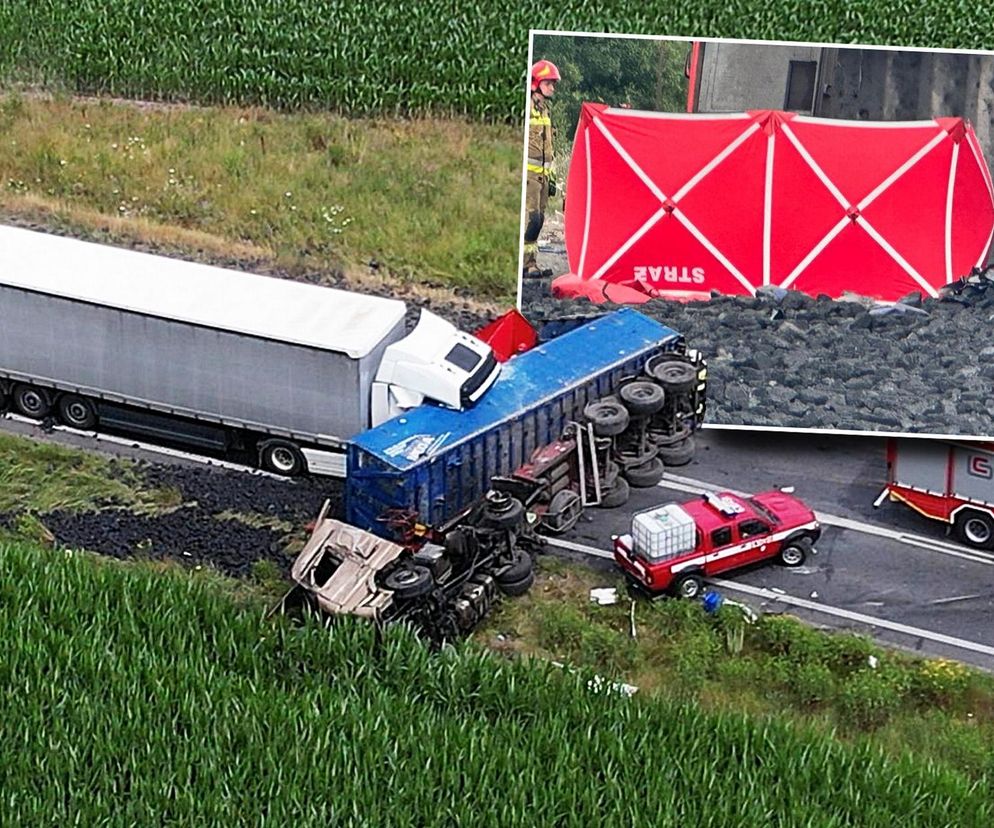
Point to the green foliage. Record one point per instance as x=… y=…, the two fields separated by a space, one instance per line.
x=389 y=58
x=135 y=698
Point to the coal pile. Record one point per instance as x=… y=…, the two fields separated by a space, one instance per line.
x=787 y=359
x=217 y=523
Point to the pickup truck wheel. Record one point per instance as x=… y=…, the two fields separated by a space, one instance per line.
x=675 y=376
x=609 y=418
x=678 y=454
x=514 y=589
x=409 y=582
x=77 y=412
x=642 y=398
x=282 y=457
x=520 y=566
x=976 y=529
x=616 y=495
x=795 y=552
x=31 y=402
x=644 y=476
x=689 y=587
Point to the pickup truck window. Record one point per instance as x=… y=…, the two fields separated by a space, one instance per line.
x=750 y=528
x=762 y=510
x=722 y=536
x=463 y=358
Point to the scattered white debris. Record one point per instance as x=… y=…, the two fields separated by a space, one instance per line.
x=814 y=593
x=873 y=662
x=605 y=596
x=748 y=612
x=778 y=591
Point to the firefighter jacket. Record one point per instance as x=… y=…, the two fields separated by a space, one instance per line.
x=539 y=136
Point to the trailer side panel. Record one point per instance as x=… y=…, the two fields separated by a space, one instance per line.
x=972 y=470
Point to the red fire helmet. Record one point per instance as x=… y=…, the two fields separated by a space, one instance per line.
x=543 y=70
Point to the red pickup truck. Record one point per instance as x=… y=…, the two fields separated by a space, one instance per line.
x=675 y=546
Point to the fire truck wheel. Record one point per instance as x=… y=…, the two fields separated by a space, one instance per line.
x=976 y=529
x=519 y=568
x=409 y=582
x=609 y=418
x=642 y=398
x=795 y=552
x=616 y=495
x=644 y=476
x=513 y=589
x=679 y=454
x=689 y=586
x=675 y=376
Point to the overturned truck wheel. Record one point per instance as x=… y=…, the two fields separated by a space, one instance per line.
x=608 y=417
x=409 y=582
x=517 y=577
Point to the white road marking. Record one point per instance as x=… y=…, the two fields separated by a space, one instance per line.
x=956 y=598
x=778 y=595
x=698 y=487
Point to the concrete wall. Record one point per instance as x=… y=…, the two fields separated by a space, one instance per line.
x=737 y=76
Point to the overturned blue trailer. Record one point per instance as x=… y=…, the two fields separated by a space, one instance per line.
x=437 y=461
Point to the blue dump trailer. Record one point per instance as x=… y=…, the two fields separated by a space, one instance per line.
x=437 y=461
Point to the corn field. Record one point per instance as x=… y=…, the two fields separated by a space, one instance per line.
x=137 y=698
x=382 y=57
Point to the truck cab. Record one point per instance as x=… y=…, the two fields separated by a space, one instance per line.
x=436 y=362
x=673 y=547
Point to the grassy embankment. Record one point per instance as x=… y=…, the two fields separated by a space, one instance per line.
x=432 y=202
x=778 y=669
x=134 y=693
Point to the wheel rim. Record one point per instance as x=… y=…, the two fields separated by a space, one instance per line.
x=792 y=556
x=283 y=459
x=31 y=402
x=77 y=412
x=405 y=577
x=689 y=588
x=977 y=530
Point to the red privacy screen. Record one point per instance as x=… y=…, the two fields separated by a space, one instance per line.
x=680 y=205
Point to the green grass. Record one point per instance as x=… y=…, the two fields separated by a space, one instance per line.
x=43 y=477
x=135 y=696
x=431 y=201
x=777 y=668
x=383 y=58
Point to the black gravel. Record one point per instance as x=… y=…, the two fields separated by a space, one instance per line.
x=787 y=359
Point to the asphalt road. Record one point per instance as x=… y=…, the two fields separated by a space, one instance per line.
x=889 y=564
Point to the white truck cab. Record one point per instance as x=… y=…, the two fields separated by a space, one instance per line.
x=435 y=362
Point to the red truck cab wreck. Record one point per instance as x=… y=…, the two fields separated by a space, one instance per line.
x=673 y=547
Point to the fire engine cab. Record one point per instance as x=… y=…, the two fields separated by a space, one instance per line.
x=675 y=546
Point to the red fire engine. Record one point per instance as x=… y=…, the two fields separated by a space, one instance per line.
x=948 y=481
x=675 y=546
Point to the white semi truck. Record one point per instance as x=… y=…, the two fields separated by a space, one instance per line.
x=268 y=370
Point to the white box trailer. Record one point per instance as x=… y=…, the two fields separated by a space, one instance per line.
x=951 y=481
x=284 y=371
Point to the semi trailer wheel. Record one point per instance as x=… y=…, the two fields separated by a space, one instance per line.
x=503 y=511
x=975 y=528
x=642 y=398
x=608 y=418
x=615 y=495
x=514 y=589
x=520 y=567
x=32 y=402
x=282 y=457
x=675 y=376
x=564 y=511
x=678 y=454
x=77 y=412
x=646 y=475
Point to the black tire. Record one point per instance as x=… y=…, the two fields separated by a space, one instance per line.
x=642 y=398
x=644 y=476
x=77 y=412
x=513 y=589
x=509 y=515
x=975 y=528
x=679 y=454
x=795 y=552
x=520 y=566
x=688 y=586
x=3 y=398
x=457 y=544
x=409 y=582
x=661 y=438
x=616 y=495
x=567 y=502
x=282 y=457
x=675 y=376
x=31 y=402
x=609 y=418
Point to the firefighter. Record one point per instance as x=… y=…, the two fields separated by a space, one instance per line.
x=539 y=183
